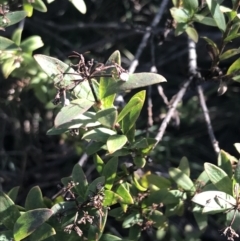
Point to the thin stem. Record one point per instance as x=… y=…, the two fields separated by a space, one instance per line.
x=146 y=36
x=207 y=120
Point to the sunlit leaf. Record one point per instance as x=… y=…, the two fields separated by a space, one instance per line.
x=234 y=68
x=214 y=201
x=192 y=33
x=135 y=81
x=184 y=166
x=39 y=6
x=99 y=134
x=11 y=18
x=180 y=15
x=229 y=53
x=116 y=142
x=7 y=45
x=216 y=13
x=32 y=43
x=79 y=5
x=181 y=179
x=124 y=194
x=204 y=20
x=72 y=111
x=218 y=177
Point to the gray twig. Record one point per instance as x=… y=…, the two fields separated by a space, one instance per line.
x=146 y=36
x=178 y=97
x=207 y=120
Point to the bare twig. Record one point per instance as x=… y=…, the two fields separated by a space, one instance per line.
x=207 y=120
x=146 y=36
x=171 y=110
x=177 y=98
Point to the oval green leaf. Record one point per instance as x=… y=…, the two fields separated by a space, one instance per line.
x=107 y=117
x=28 y=222
x=181 y=179
x=116 y=142
x=219 y=178
x=9 y=213
x=12 y=18
x=79 y=177
x=7 y=45
x=217 y=15
x=110 y=172
x=72 y=111
x=135 y=81
x=34 y=199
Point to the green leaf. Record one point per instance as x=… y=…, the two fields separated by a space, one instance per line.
x=71 y=112
x=28 y=222
x=181 y=179
x=116 y=142
x=64 y=76
x=95 y=186
x=63 y=207
x=110 y=198
x=8 y=67
x=164 y=196
x=99 y=134
x=229 y=53
x=34 y=199
x=79 y=177
x=98 y=162
x=28 y=8
x=219 y=178
x=216 y=13
x=237 y=146
x=231 y=37
x=94 y=147
x=135 y=81
x=137 y=184
x=17 y=35
x=43 y=232
x=181 y=15
x=224 y=162
x=131 y=111
x=191 y=5
x=181 y=28
x=110 y=237
x=132 y=219
x=12 y=18
x=237 y=173
x=192 y=34
x=79 y=5
x=7 y=45
x=110 y=172
x=184 y=166
x=108 y=100
x=39 y=6
x=204 y=20
x=139 y=161
x=32 y=43
x=213 y=46
x=234 y=68
x=200 y=218
x=134 y=101
x=214 y=201
x=56 y=131
x=8 y=211
x=158 y=219
x=158 y=181
x=107 y=117
x=13 y=193
x=124 y=194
